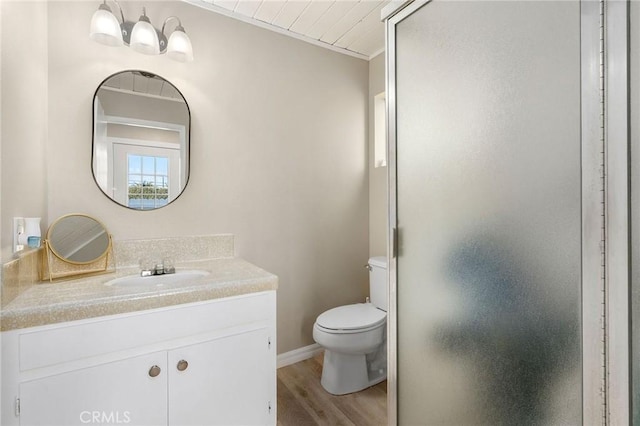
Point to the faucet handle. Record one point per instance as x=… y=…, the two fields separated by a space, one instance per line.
x=168 y=266
x=147 y=267
x=159 y=269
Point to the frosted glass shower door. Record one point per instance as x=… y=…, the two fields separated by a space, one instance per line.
x=488 y=207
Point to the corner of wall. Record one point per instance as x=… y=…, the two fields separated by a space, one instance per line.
x=23 y=115
x=377 y=175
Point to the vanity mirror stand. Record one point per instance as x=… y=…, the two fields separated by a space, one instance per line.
x=76 y=244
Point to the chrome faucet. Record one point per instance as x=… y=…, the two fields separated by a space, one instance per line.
x=165 y=267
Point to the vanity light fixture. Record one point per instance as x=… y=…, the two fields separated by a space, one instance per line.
x=144 y=38
x=141 y=36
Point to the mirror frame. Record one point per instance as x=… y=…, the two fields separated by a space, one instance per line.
x=75 y=262
x=93 y=133
x=54 y=266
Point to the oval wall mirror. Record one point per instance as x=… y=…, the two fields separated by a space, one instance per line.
x=78 y=239
x=141 y=126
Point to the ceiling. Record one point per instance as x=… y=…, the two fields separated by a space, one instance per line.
x=352 y=27
x=141 y=83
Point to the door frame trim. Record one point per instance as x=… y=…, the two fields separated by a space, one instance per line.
x=616 y=124
x=393 y=234
x=592 y=164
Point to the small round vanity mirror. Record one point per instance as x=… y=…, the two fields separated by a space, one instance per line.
x=141 y=126
x=78 y=239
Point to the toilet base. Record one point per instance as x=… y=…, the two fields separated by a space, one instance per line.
x=346 y=373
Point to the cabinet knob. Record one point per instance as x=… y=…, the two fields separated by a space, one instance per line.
x=182 y=365
x=154 y=371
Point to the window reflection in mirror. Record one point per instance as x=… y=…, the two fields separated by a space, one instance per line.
x=140 y=140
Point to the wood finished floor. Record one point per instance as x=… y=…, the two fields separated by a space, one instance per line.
x=302 y=401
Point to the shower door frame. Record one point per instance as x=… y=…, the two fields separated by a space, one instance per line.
x=618 y=201
x=605 y=205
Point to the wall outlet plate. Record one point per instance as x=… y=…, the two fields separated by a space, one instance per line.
x=18 y=234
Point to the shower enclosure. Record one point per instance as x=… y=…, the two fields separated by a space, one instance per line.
x=503 y=183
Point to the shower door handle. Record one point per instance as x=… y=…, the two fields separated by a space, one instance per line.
x=394 y=242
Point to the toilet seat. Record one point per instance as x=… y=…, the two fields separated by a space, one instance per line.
x=356 y=318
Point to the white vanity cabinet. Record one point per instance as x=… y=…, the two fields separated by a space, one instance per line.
x=226 y=381
x=203 y=363
x=121 y=390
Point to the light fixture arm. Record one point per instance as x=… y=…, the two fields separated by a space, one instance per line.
x=179 y=27
x=163 y=37
x=106 y=7
x=144 y=16
x=120 y=9
x=125 y=26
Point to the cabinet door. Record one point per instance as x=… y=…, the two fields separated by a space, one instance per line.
x=226 y=381
x=121 y=392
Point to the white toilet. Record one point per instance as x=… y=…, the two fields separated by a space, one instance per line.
x=354 y=338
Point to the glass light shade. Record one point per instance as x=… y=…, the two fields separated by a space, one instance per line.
x=105 y=28
x=179 y=47
x=144 y=39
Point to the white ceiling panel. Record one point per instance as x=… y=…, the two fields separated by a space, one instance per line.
x=352 y=27
x=227 y=4
x=308 y=17
x=362 y=28
x=349 y=20
x=370 y=45
x=337 y=10
x=268 y=10
x=142 y=83
x=247 y=7
x=290 y=12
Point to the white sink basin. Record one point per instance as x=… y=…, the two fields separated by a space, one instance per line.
x=179 y=277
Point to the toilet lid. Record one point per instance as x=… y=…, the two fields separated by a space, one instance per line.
x=352 y=317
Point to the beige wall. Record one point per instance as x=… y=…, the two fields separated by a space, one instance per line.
x=24 y=115
x=278 y=144
x=378 y=213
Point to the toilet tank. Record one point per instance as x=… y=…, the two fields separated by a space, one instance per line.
x=378 y=282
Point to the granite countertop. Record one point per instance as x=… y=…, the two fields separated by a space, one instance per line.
x=89 y=297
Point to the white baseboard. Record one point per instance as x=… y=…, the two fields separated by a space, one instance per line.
x=298 y=355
